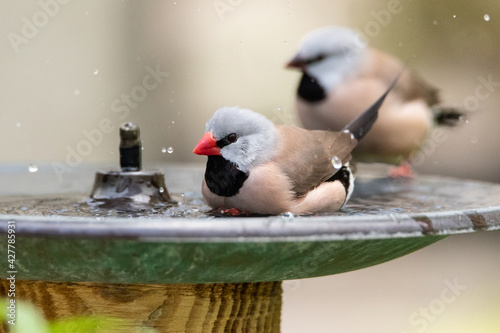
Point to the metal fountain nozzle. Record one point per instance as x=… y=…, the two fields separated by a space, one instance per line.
x=131 y=183
x=130 y=147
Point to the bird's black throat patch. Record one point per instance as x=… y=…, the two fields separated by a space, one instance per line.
x=310 y=90
x=223 y=177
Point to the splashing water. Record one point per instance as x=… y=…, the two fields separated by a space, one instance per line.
x=73 y=204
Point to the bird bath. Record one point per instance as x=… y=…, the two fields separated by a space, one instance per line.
x=180 y=267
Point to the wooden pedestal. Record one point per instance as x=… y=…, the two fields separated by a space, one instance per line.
x=216 y=307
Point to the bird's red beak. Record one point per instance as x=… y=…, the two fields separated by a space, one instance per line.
x=207 y=145
x=296 y=62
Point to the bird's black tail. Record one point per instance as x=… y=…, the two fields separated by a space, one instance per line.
x=361 y=125
x=448 y=116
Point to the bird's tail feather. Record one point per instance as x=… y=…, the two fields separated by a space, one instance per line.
x=448 y=116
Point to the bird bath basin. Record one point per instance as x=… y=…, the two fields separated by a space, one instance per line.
x=157 y=263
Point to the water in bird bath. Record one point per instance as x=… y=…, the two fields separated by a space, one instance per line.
x=372 y=196
x=190 y=205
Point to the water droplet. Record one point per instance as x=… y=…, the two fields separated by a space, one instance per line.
x=173 y=121
x=164 y=150
x=170 y=150
x=18 y=125
x=454 y=16
x=175 y=3
x=474 y=140
x=96 y=71
x=336 y=162
x=486 y=17
x=241 y=42
x=76 y=92
x=32 y=168
x=289 y=215
x=285 y=42
x=435 y=22
x=161 y=189
x=349 y=132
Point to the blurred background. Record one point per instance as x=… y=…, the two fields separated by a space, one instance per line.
x=71 y=67
x=73 y=71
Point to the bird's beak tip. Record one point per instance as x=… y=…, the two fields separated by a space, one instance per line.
x=295 y=63
x=207 y=146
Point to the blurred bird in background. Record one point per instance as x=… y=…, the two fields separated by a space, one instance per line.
x=342 y=76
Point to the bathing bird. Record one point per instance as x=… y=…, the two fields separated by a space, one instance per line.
x=341 y=76
x=257 y=167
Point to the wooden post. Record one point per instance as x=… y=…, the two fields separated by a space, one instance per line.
x=215 y=307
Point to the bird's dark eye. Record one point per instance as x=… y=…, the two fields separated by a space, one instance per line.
x=227 y=140
x=232 y=137
x=316 y=59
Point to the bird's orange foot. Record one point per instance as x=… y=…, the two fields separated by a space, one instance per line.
x=233 y=212
x=404 y=170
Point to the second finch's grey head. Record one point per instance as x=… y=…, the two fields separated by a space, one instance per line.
x=329 y=54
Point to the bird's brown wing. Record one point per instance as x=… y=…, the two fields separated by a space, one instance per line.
x=306 y=156
x=410 y=85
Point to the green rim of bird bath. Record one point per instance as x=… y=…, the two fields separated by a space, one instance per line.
x=185 y=243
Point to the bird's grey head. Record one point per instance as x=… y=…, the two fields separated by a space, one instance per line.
x=247 y=138
x=329 y=54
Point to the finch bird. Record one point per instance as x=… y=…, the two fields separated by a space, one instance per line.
x=342 y=76
x=257 y=167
